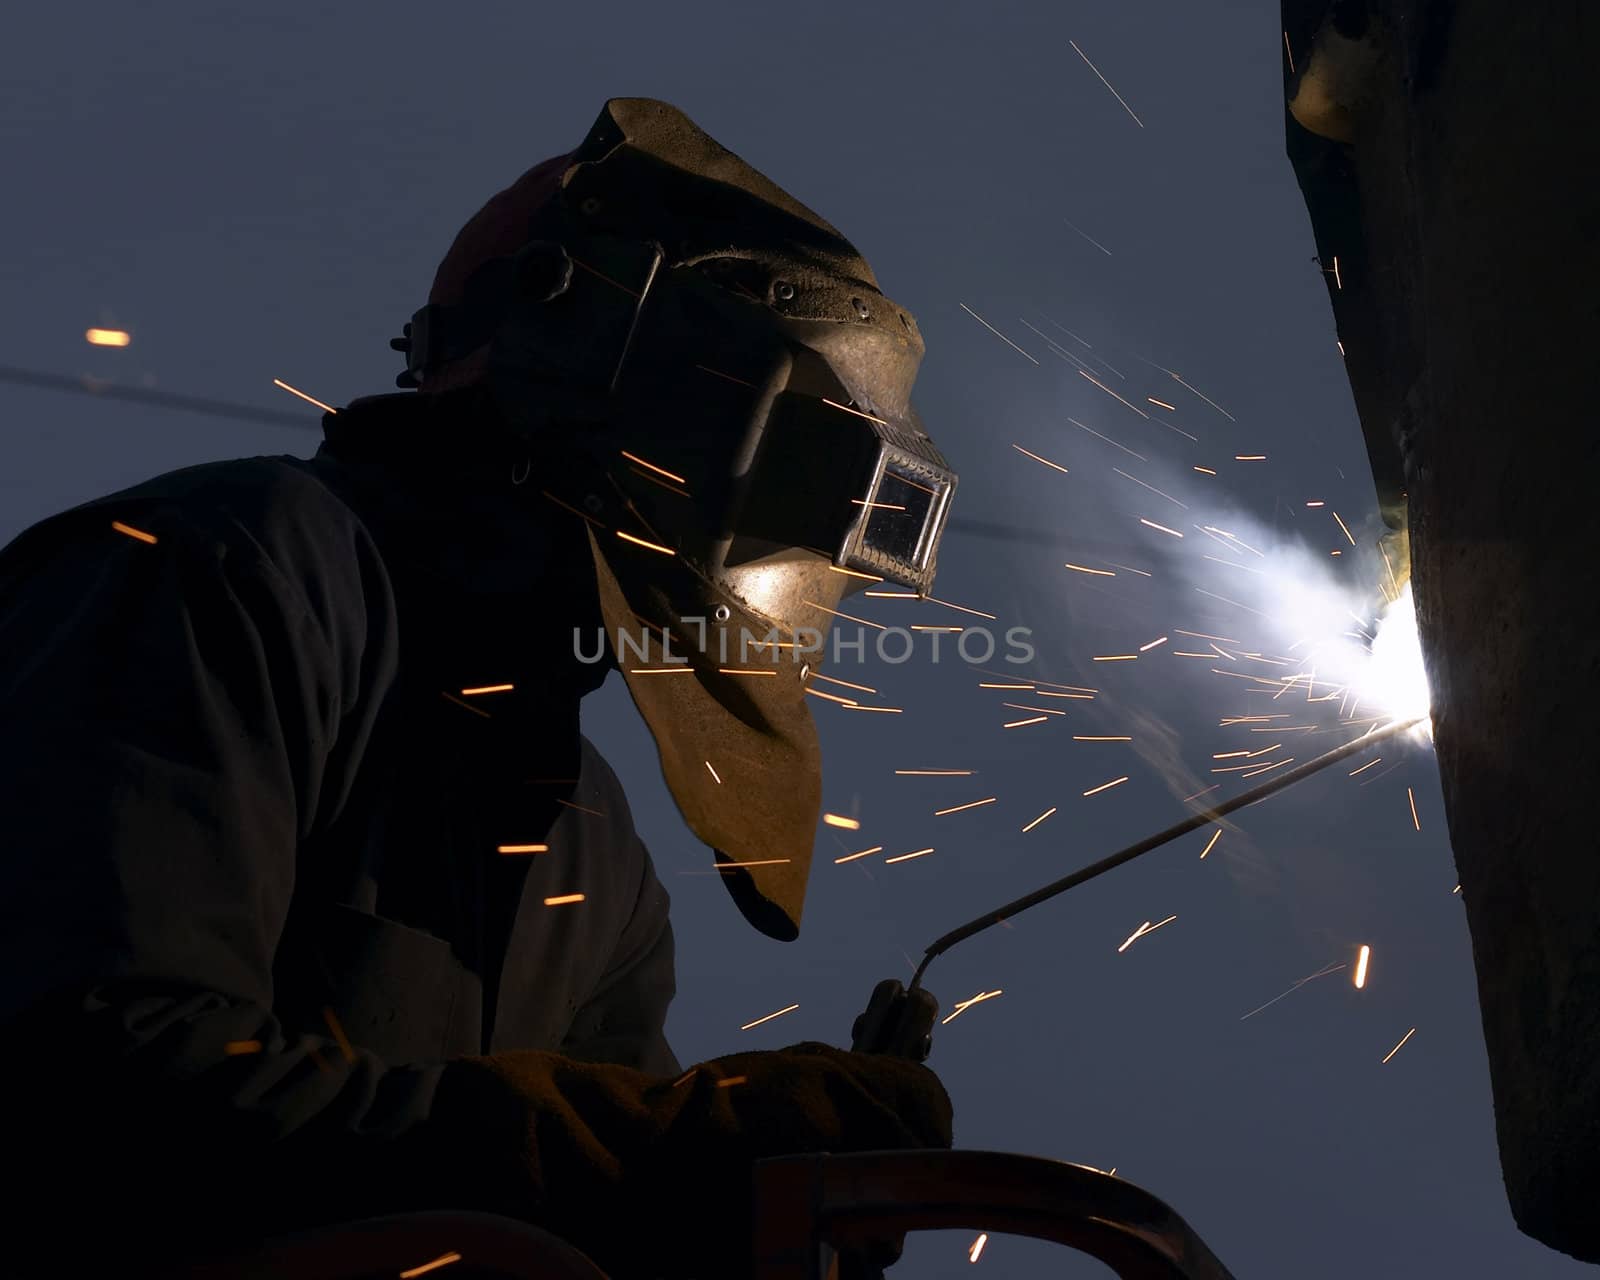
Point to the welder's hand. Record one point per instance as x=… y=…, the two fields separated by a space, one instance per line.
x=848 y=1101
x=814 y=1097
x=654 y=1177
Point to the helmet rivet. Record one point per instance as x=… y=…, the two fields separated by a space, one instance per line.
x=783 y=291
x=722 y=613
x=805 y=670
x=861 y=308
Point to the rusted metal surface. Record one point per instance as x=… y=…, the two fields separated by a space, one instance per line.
x=1447 y=152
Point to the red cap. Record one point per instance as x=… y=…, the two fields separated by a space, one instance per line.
x=497 y=230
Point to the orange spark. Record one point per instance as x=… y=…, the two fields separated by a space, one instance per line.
x=939 y=813
x=1366 y=766
x=855 y=573
x=904 y=857
x=1162 y=403
x=729 y=1081
x=1342 y=526
x=1142 y=930
x=1039 y=819
x=522 y=848
x=848 y=617
x=746 y=671
x=1396 y=1049
x=845 y=683
x=652 y=546
x=1084 y=738
x=714 y=773
x=935 y=773
x=563 y=899
x=660 y=471
x=1102 y=573
x=234 y=1048
x=1153 y=525
x=443 y=1260
x=843 y=823
x=1361 y=966
x=107 y=337
x=1105 y=786
x=128 y=529
x=326 y=408
x=851 y=857
x=487 y=688
x=1413 y=800
x=831 y=697
x=1023 y=706
x=1212 y=843
x=1249 y=457
x=1037 y=458
x=1117 y=657
x=975 y=1250
x=680 y=669
x=1315 y=504
x=769 y=1017
x=1206 y=471
x=963 y=1005
x=1145 y=648
x=1114 y=395
x=1017 y=724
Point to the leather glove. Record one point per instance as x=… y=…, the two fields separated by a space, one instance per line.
x=653 y=1177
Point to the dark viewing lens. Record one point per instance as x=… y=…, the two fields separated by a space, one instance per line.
x=899 y=515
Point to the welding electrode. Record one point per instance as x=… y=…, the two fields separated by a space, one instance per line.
x=899 y=1020
x=943 y=944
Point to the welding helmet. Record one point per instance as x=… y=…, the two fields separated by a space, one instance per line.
x=706 y=373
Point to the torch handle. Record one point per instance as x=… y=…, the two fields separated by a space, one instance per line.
x=896 y=1022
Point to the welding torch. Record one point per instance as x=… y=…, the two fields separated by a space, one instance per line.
x=898 y=1020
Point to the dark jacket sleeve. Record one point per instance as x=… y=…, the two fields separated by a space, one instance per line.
x=172 y=718
x=175 y=718
x=624 y=1021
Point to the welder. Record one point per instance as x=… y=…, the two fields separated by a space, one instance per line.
x=315 y=905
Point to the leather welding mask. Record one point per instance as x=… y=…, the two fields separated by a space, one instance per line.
x=707 y=373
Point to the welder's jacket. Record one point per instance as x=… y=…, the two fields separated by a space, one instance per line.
x=267 y=873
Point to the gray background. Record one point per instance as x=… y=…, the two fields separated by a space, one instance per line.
x=263 y=192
